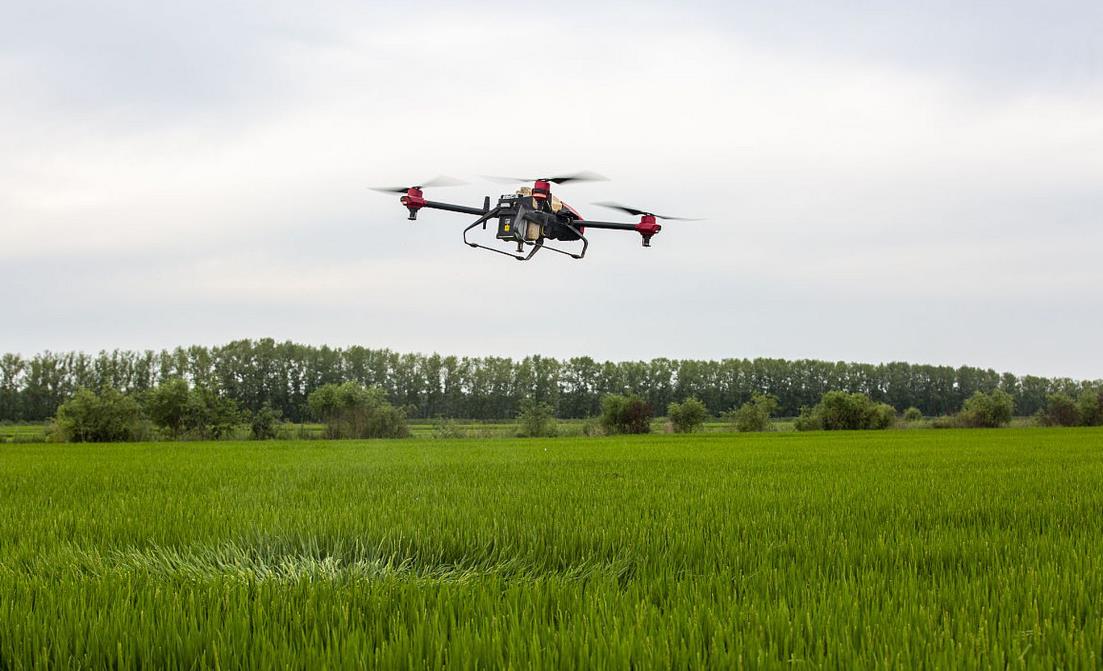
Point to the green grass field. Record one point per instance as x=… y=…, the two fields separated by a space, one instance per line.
x=900 y=549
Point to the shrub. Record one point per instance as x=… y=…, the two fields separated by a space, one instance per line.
x=198 y=413
x=448 y=429
x=211 y=415
x=1090 y=407
x=536 y=419
x=989 y=410
x=265 y=423
x=592 y=427
x=754 y=415
x=625 y=414
x=838 y=410
x=687 y=416
x=167 y=405
x=352 y=411
x=913 y=414
x=1060 y=410
x=107 y=416
x=882 y=416
x=946 y=422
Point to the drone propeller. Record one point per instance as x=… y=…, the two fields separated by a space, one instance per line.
x=584 y=176
x=443 y=180
x=637 y=213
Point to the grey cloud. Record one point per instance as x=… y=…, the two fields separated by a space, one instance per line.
x=916 y=181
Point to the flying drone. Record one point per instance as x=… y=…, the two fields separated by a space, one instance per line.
x=532 y=215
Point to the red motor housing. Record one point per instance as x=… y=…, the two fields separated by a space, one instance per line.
x=541 y=190
x=413 y=200
x=647 y=228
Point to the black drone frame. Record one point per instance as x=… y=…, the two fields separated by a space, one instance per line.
x=414 y=200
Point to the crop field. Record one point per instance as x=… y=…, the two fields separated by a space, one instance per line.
x=899 y=549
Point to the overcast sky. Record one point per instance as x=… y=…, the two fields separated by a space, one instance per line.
x=918 y=181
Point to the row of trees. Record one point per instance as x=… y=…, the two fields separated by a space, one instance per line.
x=176 y=410
x=282 y=376
x=350 y=410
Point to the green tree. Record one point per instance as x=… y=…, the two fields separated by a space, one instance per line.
x=913 y=414
x=987 y=410
x=1090 y=407
x=536 y=419
x=212 y=415
x=754 y=415
x=265 y=423
x=625 y=414
x=167 y=405
x=687 y=416
x=1060 y=410
x=839 y=410
x=352 y=411
x=103 y=417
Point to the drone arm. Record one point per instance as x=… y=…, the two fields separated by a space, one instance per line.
x=647 y=227
x=414 y=200
x=608 y=225
x=449 y=207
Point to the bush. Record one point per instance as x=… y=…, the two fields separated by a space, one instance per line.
x=946 y=422
x=352 y=411
x=265 y=423
x=537 y=419
x=1090 y=407
x=592 y=427
x=754 y=415
x=913 y=414
x=167 y=405
x=211 y=416
x=988 y=411
x=838 y=410
x=108 y=416
x=448 y=429
x=625 y=414
x=1060 y=410
x=197 y=413
x=883 y=416
x=687 y=416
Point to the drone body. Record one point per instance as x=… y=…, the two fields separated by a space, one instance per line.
x=531 y=217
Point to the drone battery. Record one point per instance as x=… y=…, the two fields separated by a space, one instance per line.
x=506 y=218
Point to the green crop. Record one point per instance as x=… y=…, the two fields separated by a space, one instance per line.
x=908 y=549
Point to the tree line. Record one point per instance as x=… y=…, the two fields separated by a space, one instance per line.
x=281 y=375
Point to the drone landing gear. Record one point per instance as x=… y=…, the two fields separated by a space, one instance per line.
x=536 y=246
x=482 y=221
x=585 y=244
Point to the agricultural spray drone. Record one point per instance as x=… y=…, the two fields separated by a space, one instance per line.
x=532 y=215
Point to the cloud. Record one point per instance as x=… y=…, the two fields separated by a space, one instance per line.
x=889 y=184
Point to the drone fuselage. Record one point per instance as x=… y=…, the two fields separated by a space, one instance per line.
x=523 y=217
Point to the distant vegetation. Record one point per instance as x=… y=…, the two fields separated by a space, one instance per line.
x=350 y=410
x=536 y=419
x=625 y=414
x=1063 y=410
x=838 y=411
x=754 y=415
x=687 y=416
x=282 y=376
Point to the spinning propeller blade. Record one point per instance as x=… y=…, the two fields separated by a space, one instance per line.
x=443 y=180
x=636 y=213
x=584 y=176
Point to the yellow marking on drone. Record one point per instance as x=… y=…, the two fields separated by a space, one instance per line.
x=506 y=227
